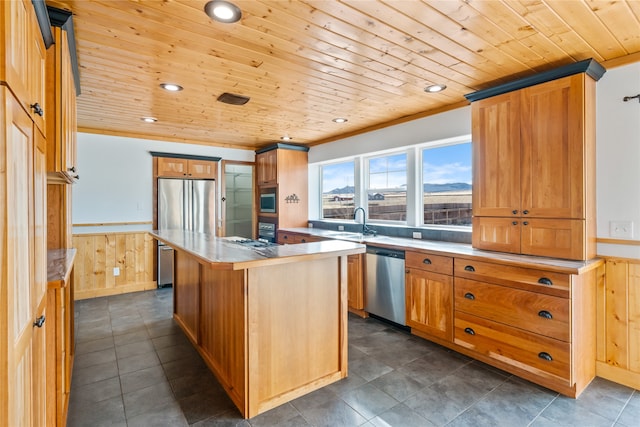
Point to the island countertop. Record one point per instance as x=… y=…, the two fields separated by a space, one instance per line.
x=222 y=253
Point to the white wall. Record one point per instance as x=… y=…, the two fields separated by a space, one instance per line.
x=116 y=176
x=618 y=156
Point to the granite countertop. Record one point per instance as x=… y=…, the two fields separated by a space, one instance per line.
x=59 y=265
x=222 y=253
x=453 y=249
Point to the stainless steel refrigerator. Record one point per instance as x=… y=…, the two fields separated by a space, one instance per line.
x=183 y=204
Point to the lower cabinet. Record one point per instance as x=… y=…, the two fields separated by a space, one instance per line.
x=355 y=288
x=429 y=295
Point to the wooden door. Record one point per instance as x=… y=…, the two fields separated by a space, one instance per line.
x=16 y=34
x=267 y=167
x=429 y=303
x=67 y=105
x=496 y=234
x=172 y=167
x=355 y=286
x=205 y=169
x=553 y=149
x=557 y=238
x=496 y=155
x=23 y=269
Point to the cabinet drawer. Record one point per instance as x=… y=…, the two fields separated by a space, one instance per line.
x=539 y=313
x=534 y=353
x=284 y=237
x=531 y=279
x=435 y=263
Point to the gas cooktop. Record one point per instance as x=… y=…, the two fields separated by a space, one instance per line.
x=259 y=243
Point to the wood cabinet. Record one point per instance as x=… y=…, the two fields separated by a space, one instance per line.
x=23 y=305
x=187 y=168
x=22 y=58
x=267 y=167
x=534 y=154
x=61 y=103
x=429 y=294
x=355 y=289
x=537 y=323
x=283 y=169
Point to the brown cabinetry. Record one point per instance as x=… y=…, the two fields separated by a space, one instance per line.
x=533 y=165
x=535 y=322
x=282 y=169
x=61 y=105
x=187 y=168
x=429 y=294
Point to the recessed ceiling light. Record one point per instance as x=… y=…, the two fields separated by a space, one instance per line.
x=340 y=120
x=286 y=138
x=223 y=11
x=171 y=87
x=435 y=88
x=149 y=119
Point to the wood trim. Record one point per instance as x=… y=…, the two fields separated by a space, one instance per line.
x=618 y=241
x=112 y=224
x=184 y=156
x=618 y=375
x=96 y=293
x=282 y=146
x=623 y=60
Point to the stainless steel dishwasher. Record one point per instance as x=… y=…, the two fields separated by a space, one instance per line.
x=385 y=284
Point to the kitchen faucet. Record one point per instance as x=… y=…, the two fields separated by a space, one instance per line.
x=365 y=230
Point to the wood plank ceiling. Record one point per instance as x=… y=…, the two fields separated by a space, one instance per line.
x=304 y=63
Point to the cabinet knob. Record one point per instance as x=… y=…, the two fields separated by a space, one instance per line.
x=514 y=223
x=39 y=322
x=407 y=271
x=525 y=212
x=515 y=211
x=546 y=356
x=525 y=223
x=72 y=169
x=426 y=261
x=37 y=109
x=545 y=281
x=470 y=296
x=303 y=240
x=469 y=268
x=469 y=331
x=545 y=314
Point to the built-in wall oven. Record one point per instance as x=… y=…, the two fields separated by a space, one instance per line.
x=267 y=231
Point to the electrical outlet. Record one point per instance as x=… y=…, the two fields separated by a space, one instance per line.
x=116 y=271
x=621 y=229
x=417 y=235
x=341 y=228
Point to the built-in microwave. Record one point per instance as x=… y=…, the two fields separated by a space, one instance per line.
x=268 y=202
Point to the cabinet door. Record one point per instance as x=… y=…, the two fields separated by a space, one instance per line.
x=206 y=169
x=355 y=285
x=429 y=303
x=172 y=167
x=496 y=155
x=496 y=234
x=557 y=238
x=552 y=126
x=267 y=164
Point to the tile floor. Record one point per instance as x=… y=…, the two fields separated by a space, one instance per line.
x=134 y=367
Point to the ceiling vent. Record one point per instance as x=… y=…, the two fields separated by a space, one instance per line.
x=230 y=98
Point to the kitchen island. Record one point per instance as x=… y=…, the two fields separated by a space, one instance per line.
x=271 y=322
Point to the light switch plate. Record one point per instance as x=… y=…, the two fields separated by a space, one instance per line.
x=341 y=228
x=621 y=229
x=116 y=271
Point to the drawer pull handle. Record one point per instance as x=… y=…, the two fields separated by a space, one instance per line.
x=426 y=261
x=546 y=356
x=469 y=268
x=545 y=281
x=469 y=331
x=515 y=211
x=545 y=314
x=39 y=322
x=304 y=240
x=470 y=296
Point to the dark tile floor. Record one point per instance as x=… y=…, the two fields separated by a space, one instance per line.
x=134 y=367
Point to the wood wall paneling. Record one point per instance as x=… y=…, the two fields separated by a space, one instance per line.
x=99 y=254
x=618 y=324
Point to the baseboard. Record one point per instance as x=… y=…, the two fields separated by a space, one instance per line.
x=618 y=375
x=121 y=289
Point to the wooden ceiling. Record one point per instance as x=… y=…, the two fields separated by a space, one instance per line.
x=304 y=63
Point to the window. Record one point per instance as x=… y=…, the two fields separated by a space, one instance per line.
x=338 y=190
x=446 y=185
x=387 y=188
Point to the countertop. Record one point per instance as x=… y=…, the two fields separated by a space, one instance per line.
x=222 y=253
x=59 y=265
x=453 y=249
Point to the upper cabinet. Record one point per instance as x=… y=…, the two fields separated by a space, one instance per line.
x=267 y=166
x=61 y=99
x=196 y=168
x=534 y=169
x=22 y=57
